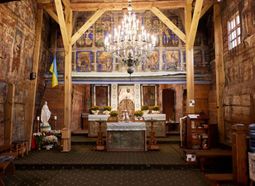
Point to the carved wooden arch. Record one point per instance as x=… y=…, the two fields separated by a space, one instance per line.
x=126 y=104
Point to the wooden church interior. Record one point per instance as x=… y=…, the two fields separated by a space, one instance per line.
x=190 y=101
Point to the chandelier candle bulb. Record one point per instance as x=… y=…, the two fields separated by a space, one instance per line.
x=130 y=43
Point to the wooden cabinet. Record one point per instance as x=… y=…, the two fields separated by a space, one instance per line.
x=197 y=133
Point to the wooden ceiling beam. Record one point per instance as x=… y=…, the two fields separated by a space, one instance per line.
x=52 y=14
x=66 y=3
x=169 y=23
x=87 y=25
x=62 y=22
x=174 y=4
x=206 y=7
x=194 y=24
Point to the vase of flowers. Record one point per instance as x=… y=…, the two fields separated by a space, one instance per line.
x=94 y=110
x=38 y=139
x=155 y=110
x=138 y=114
x=49 y=141
x=145 y=109
x=107 y=110
x=113 y=116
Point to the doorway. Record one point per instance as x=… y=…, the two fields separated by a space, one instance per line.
x=168 y=99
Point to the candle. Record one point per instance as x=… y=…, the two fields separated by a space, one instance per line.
x=38 y=118
x=55 y=117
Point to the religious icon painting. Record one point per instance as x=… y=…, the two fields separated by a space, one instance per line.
x=104 y=62
x=198 y=58
x=153 y=26
x=102 y=27
x=18 y=42
x=84 y=61
x=101 y=93
x=60 y=58
x=169 y=39
x=152 y=62
x=86 y=40
x=171 y=59
x=149 y=95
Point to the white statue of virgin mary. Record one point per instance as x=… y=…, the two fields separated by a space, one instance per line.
x=45 y=116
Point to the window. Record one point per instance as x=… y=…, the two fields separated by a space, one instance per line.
x=234 y=31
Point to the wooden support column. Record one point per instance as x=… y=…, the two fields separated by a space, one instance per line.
x=191 y=34
x=30 y=106
x=220 y=74
x=189 y=60
x=8 y=112
x=68 y=79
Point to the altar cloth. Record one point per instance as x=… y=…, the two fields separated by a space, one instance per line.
x=99 y=117
x=125 y=126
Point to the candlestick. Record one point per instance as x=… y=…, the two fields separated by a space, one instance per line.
x=55 y=117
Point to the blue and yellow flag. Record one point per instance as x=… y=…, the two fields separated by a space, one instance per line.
x=53 y=70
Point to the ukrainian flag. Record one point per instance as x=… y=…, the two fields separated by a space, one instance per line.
x=53 y=70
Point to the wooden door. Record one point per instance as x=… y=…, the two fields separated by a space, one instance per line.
x=168 y=100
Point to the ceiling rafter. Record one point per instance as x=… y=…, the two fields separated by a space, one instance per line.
x=87 y=25
x=62 y=23
x=142 y=5
x=207 y=5
x=169 y=23
x=194 y=24
x=52 y=14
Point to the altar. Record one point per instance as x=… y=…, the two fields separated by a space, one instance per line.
x=126 y=136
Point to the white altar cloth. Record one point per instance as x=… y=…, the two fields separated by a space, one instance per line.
x=160 y=117
x=126 y=126
x=99 y=117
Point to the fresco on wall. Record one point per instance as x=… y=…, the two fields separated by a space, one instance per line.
x=7 y=34
x=152 y=62
x=149 y=95
x=104 y=62
x=169 y=39
x=28 y=55
x=86 y=40
x=17 y=51
x=101 y=95
x=3 y=95
x=153 y=25
x=84 y=61
x=171 y=59
x=60 y=58
x=103 y=26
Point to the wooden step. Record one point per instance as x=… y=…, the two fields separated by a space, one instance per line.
x=217 y=178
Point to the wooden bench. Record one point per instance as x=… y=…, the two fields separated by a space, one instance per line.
x=203 y=155
x=217 y=179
